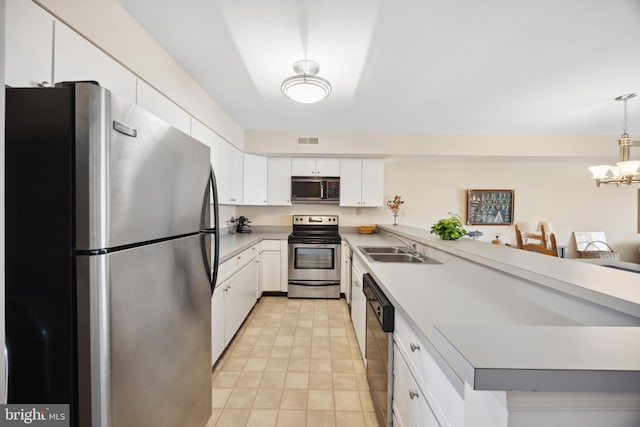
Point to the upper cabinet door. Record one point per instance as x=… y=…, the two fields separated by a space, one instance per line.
x=351 y=182
x=372 y=182
x=255 y=180
x=77 y=59
x=303 y=167
x=328 y=167
x=28 y=44
x=315 y=167
x=230 y=179
x=205 y=135
x=162 y=107
x=361 y=182
x=279 y=181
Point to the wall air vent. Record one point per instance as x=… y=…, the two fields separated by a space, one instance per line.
x=307 y=140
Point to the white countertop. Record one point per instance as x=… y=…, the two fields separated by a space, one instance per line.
x=490 y=287
x=233 y=244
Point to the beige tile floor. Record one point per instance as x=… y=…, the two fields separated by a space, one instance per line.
x=294 y=363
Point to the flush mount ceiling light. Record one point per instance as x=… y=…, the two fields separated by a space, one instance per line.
x=306 y=87
x=626 y=171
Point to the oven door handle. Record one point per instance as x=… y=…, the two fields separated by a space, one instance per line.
x=314 y=283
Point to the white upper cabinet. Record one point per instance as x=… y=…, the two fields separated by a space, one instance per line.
x=372 y=182
x=351 y=182
x=315 y=167
x=205 y=135
x=279 y=181
x=230 y=178
x=255 y=180
x=162 y=107
x=328 y=167
x=361 y=182
x=77 y=59
x=28 y=44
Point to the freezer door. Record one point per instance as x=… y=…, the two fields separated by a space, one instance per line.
x=137 y=178
x=144 y=335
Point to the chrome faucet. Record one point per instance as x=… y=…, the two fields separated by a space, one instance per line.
x=413 y=248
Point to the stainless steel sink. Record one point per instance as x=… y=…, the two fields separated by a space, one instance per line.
x=404 y=258
x=396 y=254
x=383 y=250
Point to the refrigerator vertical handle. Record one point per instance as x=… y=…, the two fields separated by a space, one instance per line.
x=5 y=397
x=216 y=227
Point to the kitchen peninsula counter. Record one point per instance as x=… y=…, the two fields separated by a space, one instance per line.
x=495 y=317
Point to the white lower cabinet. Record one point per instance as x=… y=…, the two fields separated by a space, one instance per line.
x=345 y=272
x=272 y=274
x=239 y=299
x=410 y=406
x=444 y=400
x=358 y=305
x=217 y=323
x=232 y=299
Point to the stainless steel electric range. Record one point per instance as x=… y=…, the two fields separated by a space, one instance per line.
x=314 y=257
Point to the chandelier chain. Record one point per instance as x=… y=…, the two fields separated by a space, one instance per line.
x=624 y=123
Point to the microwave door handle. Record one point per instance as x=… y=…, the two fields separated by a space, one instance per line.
x=322 y=184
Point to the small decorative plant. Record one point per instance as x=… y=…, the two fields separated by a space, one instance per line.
x=394 y=205
x=449 y=228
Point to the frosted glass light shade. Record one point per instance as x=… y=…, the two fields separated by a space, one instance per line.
x=615 y=171
x=629 y=168
x=306 y=89
x=599 y=171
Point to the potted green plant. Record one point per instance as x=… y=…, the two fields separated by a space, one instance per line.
x=449 y=228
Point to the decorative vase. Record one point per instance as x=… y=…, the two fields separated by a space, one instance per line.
x=394 y=212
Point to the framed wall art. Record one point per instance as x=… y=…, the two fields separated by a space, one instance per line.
x=490 y=207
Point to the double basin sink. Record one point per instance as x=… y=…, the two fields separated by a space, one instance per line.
x=396 y=254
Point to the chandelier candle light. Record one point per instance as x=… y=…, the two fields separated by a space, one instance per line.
x=394 y=205
x=626 y=171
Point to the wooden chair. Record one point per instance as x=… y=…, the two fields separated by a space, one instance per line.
x=541 y=247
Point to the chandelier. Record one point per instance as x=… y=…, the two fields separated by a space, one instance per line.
x=626 y=171
x=305 y=87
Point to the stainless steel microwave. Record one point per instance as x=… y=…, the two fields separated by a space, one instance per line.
x=306 y=189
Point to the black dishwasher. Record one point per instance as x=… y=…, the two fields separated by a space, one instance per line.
x=379 y=349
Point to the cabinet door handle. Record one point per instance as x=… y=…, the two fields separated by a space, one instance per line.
x=413 y=394
x=414 y=347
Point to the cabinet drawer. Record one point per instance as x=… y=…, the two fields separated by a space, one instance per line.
x=235 y=263
x=443 y=398
x=246 y=256
x=222 y=272
x=409 y=405
x=270 y=245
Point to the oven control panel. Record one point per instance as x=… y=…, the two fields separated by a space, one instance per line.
x=315 y=220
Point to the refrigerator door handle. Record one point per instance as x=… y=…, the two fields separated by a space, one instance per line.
x=5 y=397
x=212 y=268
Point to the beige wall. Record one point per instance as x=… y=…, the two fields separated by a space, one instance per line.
x=433 y=171
x=110 y=27
x=396 y=143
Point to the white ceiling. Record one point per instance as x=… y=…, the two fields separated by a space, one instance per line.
x=540 y=66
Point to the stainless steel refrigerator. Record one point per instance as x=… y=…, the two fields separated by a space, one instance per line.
x=111 y=252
